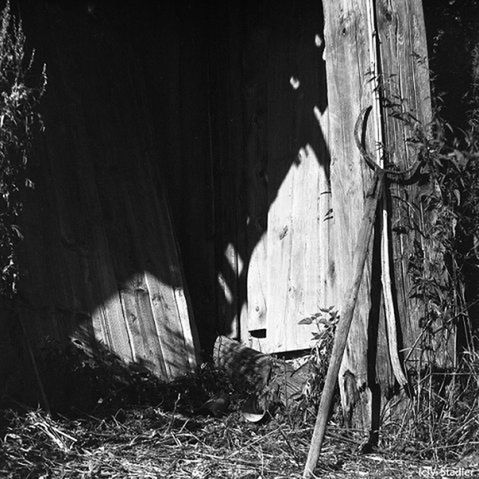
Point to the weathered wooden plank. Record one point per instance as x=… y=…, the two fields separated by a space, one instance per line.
x=326 y=240
x=171 y=312
x=257 y=288
x=113 y=230
x=188 y=328
x=163 y=311
x=280 y=291
x=174 y=320
x=347 y=64
x=255 y=184
x=134 y=294
x=69 y=234
x=82 y=98
x=103 y=275
x=145 y=345
x=297 y=176
x=401 y=51
x=363 y=243
x=226 y=136
x=195 y=220
x=298 y=273
x=157 y=256
x=175 y=168
x=404 y=64
x=168 y=326
x=230 y=252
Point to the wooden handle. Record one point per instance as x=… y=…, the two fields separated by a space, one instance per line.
x=344 y=323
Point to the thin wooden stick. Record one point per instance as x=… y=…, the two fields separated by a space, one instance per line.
x=344 y=323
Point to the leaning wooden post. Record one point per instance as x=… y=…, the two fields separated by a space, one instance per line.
x=344 y=323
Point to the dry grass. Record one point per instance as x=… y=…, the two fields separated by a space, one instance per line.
x=142 y=429
x=442 y=421
x=150 y=443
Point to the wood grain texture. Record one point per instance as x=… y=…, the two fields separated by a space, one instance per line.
x=294 y=255
x=107 y=261
x=347 y=64
x=287 y=181
x=363 y=244
x=406 y=84
x=402 y=54
x=255 y=183
x=257 y=288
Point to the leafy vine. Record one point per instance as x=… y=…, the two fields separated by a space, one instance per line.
x=20 y=93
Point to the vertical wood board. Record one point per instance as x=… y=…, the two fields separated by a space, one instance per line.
x=111 y=268
x=347 y=64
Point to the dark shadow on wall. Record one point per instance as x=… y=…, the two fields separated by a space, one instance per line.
x=266 y=76
x=156 y=100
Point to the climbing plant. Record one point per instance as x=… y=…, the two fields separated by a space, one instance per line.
x=20 y=93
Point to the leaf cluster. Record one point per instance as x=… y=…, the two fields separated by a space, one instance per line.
x=325 y=320
x=20 y=94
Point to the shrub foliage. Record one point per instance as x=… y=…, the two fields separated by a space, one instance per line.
x=20 y=93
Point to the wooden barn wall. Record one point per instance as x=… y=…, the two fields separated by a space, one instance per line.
x=268 y=98
x=168 y=121
x=367 y=380
x=100 y=253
